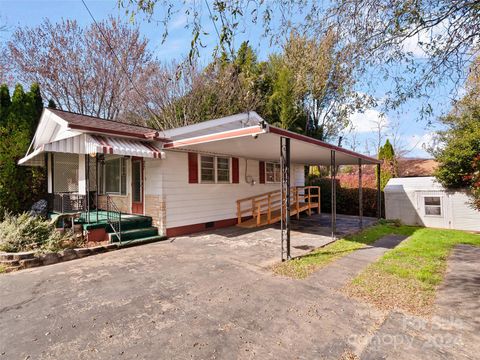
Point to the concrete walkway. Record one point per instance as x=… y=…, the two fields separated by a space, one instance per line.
x=207 y=297
x=340 y=272
x=453 y=332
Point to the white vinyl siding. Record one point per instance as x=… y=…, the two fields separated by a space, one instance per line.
x=188 y=204
x=423 y=201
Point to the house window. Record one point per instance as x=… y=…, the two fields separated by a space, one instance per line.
x=207 y=168
x=223 y=169
x=115 y=176
x=214 y=169
x=433 y=205
x=272 y=172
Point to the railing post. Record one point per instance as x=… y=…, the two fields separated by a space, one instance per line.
x=297 y=202
x=120 y=228
x=258 y=215
x=309 y=201
x=318 y=199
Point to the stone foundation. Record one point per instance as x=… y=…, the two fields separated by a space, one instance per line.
x=121 y=201
x=155 y=208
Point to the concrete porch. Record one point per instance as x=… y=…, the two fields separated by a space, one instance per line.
x=307 y=234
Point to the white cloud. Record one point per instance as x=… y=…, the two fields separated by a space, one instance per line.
x=416 y=44
x=418 y=143
x=412 y=45
x=179 y=22
x=367 y=121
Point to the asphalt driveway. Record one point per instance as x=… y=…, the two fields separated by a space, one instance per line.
x=203 y=297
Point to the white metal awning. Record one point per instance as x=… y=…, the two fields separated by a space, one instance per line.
x=263 y=143
x=90 y=144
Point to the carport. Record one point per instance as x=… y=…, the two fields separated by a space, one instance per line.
x=270 y=143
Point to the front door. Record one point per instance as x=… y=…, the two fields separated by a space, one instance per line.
x=137 y=185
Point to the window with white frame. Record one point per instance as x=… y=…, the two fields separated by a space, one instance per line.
x=115 y=176
x=272 y=172
x=214 y=169
x=433 y=205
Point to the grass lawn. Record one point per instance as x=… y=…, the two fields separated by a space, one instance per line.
x=303 y=266
x=407 y=277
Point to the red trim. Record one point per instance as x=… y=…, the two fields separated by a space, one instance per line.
x=195 y=228
x=258 y=130
x=156 y=152
x=192 y=168
x=235 y=171
x=292 y=135
x=261 y=172
x=106 y=131
x=106 y=148
x=212 y=137
x=137 y=206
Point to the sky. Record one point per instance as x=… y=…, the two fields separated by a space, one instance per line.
x=405 y=124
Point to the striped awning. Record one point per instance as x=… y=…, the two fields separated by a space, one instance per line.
x=122 y=146
x=91 y=144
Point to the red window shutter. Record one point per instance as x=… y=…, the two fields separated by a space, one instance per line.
x=261 y=170
x=192 y=168
x=235 y=171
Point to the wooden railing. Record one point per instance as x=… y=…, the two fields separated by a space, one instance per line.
x=266 y=208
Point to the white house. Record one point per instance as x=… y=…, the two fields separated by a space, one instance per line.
x=423 y=201
x=184 y=180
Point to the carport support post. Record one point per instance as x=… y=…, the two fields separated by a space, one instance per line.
x=379 y=193
x=333 y=174
x=285 y=196
x=360 y=193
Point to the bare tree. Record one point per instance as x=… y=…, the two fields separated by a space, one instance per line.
x=433 y=41
x=97 y=70
x=380 y=126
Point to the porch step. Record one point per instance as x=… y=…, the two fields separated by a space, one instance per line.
x=134 y=234
x=144 y=240
x=128 y=223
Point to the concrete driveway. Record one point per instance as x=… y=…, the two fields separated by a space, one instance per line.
x=205 y=297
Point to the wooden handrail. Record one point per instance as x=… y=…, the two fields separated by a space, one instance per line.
x=268 y=202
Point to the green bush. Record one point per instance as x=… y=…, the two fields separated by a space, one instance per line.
x=26 y=233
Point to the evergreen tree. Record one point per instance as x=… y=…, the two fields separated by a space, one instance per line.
x=35 y=106
x=4 y=103
x=51 y=104
x=20 y=186
x=281 y=105
x=389 y=164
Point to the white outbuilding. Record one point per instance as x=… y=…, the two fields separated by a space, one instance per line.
x=423 y=201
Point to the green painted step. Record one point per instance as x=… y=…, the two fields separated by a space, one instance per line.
x=134 y=234
x=127 y=224
x=144 y=240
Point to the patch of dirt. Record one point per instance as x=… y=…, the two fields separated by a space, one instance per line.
x=388 y=292
x=348 y=355
x=89 y=244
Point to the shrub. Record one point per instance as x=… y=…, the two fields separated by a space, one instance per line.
x=26 y=233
